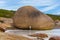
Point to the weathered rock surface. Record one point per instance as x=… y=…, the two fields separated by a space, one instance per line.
x=6 y=20
x=5 y=26
x=5 y=36
x=41 y=35
x=57 y=22
x=29 y=16
x=5 y=23
x=54 y=38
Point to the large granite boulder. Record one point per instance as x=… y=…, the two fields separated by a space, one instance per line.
x=28 y=16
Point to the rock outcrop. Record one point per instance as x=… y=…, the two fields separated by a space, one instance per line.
x=6 y=20
x=29 y=16
x=57 y=22
x=5 y=36
x=5 y=23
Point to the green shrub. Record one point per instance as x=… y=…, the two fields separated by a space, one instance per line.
x=6 y=13
x=54 y=17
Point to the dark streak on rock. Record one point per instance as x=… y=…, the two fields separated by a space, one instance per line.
x=34 y=14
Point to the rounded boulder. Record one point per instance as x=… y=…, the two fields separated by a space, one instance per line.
x=28 y=16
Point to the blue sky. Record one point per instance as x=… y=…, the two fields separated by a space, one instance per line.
x=46 y=6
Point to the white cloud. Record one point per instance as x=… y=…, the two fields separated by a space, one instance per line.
x=50 y=7
x=50 y=3
x=2 y=2
x=36 y=2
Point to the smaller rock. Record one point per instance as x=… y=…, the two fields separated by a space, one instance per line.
x=41 y=35
x=6 y=20
x=4 y=26
x=57 y=22
x=5 y=23
x=55 y=38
